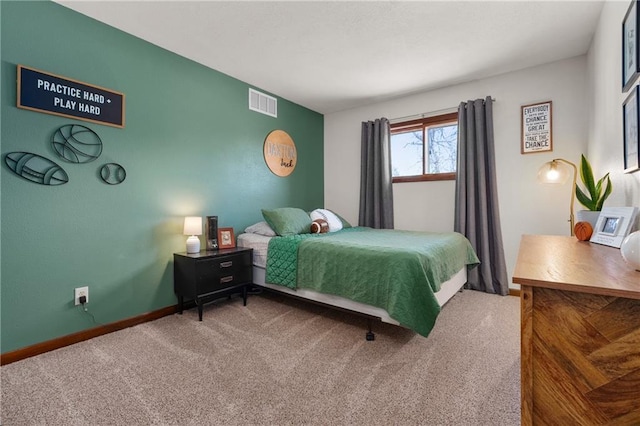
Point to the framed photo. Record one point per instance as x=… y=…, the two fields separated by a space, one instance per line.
x=630 y=109
x=630 y=65
x=536 y=128
x=614 y=223
x=226 y=239
x=211 y=232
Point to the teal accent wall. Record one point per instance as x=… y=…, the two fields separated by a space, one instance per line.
x=190 y=147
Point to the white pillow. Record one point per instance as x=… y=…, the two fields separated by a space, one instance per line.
x=261 y=228
x=335 y=224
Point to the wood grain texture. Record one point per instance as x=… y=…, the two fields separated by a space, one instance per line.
x=580 y=376
x=526 y=354
x=565 y=263
x=580 y=342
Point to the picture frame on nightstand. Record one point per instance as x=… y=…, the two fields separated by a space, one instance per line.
x=211 y=232
x=226 y=239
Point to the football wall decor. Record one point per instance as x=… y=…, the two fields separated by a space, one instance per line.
x=36 y=168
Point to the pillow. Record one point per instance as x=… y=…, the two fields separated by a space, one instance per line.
x=335 y=224
x=261 y=228
x=319 y=226
x=345 y=224
x=287 y=220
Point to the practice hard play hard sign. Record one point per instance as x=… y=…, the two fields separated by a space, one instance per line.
x=52 y=94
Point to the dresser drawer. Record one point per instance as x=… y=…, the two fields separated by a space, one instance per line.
x=223 y=272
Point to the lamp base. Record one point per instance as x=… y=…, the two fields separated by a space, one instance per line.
x=193 y=244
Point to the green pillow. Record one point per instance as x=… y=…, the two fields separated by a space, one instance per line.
x=288 y=220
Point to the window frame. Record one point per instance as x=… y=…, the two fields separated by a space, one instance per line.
x=423 y=123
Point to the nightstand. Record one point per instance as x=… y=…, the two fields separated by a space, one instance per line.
x=208 y=275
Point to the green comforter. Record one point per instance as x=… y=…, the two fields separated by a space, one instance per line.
x=398 y=271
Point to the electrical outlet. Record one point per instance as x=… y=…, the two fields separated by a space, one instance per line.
x=81 y=291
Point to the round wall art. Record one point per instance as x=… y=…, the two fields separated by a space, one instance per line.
x=280 y=153
x=113 y=173
x=76 y=143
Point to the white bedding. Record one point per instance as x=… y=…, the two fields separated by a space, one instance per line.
x=260 y=246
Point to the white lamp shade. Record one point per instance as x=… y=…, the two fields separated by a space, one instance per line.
x=553 y=172
x=192 y=225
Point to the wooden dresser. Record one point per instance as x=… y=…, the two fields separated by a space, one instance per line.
x=580 y=342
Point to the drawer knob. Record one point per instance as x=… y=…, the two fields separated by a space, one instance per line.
x=226 y=279
x=226 y=264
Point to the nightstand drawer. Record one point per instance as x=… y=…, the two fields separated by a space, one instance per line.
x=222 y=272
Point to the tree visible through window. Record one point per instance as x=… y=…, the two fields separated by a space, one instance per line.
x=425 y=149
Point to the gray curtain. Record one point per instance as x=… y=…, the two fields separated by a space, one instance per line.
x=376 y=192
x=476 y=212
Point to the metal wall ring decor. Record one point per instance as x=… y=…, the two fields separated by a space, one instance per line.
x=76 y=144
x=113 y=173
x=36 y=168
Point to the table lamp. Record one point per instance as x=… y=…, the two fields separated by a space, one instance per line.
x=193 y=227
x=553 y=172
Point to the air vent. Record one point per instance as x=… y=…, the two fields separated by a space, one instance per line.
x=263 y=103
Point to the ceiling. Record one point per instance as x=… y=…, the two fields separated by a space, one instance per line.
x=333 y=55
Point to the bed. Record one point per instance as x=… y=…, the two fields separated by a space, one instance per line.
x=400 y=277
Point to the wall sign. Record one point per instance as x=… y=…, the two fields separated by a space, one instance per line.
x=280 y=153
x=536 y=128
x=51 y=94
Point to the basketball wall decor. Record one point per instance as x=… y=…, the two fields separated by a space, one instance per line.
x=280 y=153
x=76 y=144
x=36 y=168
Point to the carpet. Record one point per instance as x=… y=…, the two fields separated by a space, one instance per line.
x=280 y=361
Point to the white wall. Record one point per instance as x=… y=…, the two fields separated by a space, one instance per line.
x=605 y=112
x=526 y=207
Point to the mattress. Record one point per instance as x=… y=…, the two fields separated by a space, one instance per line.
x=260 y=245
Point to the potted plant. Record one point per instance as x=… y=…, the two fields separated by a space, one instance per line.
x=594 y=195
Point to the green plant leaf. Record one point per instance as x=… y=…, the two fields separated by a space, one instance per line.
x=607 y=191
x=586 y=174
x=584 y=200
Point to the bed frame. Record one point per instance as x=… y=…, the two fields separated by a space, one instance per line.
x=447 y=290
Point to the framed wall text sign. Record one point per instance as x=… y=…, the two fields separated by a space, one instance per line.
x=51 y=94
x=536 y=128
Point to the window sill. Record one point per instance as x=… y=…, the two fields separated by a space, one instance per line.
x=424 y=178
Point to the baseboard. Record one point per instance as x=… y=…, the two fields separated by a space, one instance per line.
x=514 y=292
x=60 y=342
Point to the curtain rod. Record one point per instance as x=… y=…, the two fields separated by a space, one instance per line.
x=426 y=114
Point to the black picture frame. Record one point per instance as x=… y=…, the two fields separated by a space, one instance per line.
x=630 y=49
x=631 y=136
x=211 y=232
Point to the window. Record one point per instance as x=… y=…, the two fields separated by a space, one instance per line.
x=425 y=149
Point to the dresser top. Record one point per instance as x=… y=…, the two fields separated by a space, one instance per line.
x=564 y=263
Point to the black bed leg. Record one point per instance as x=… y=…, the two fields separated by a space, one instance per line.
x=370 y=336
